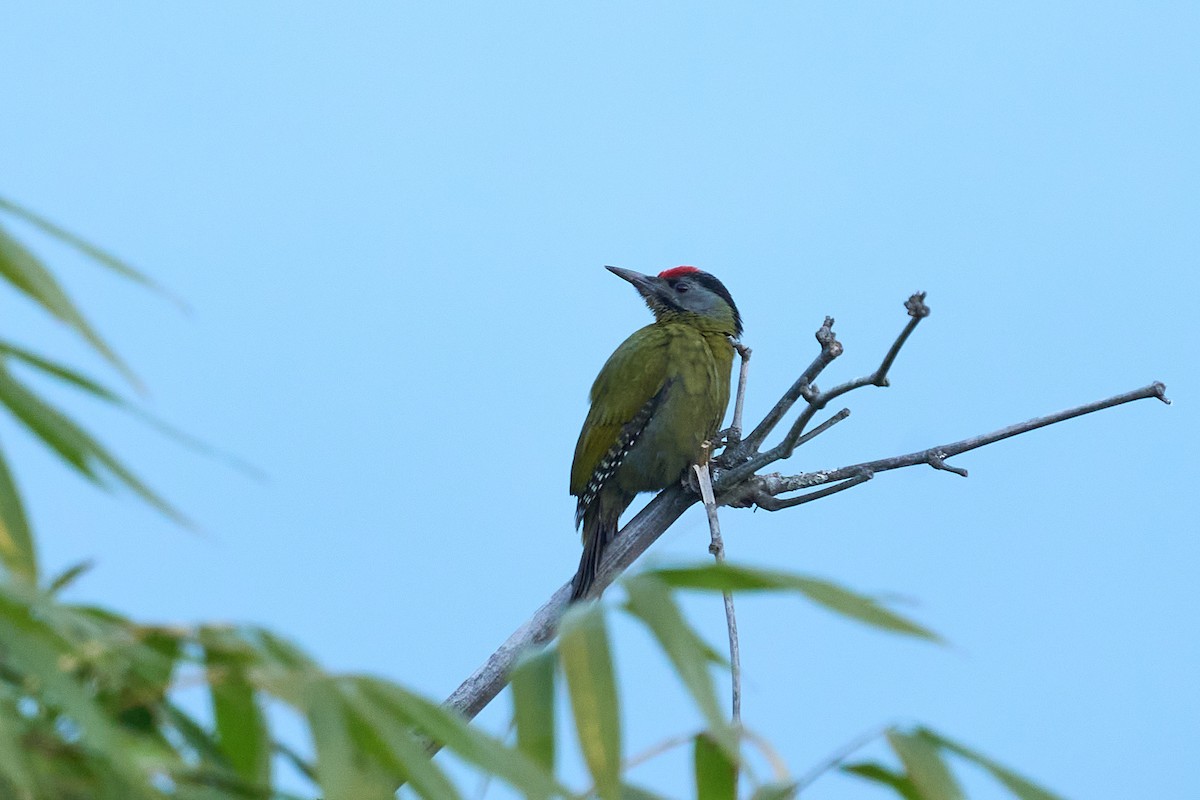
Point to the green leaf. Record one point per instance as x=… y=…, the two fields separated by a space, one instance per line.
x=242 y=732
x=650 y=601
x=716 y=774
x=23 y=270
x=533 y=706
x=276 y=650
x=297 y=761
x=61 y=372
x=72 y=443
x=85 y=384
x=386 y=735
x=631 y=792
x=339 y=768
x=878 y=773
x=730 y=577
x=193 y=733
x=83 y=246
x=69 y=576
x=1021 y=787
x=48 y=662
x=925 y=766
x=587 y=662
x=775 y=791
x=17 y=552
x=14 y=766
x=452 y=730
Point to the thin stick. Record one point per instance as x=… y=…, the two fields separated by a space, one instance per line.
x=778 y=766
x=655 y=750
x=740 y=400
x=717 y=548
x=838 y=756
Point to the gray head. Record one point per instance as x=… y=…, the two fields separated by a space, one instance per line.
x=688 y=292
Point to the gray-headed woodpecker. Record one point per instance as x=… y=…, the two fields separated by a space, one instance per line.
x=658 y=398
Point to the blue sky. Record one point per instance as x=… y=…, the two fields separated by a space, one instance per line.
x=390 y=223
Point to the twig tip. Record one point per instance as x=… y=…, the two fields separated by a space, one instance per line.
x=1160 y=391
x=937 y=460
x=826 y=337
x=915 y=305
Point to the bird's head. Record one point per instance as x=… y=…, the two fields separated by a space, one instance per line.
x=687 y=293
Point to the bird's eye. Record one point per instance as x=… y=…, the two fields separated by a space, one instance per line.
x=681 y=287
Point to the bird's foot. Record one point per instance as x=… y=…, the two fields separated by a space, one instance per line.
x=727 y=438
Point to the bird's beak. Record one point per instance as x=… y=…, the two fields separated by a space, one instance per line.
x=651 y=287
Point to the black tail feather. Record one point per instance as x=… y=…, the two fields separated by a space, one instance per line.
x=595 y=543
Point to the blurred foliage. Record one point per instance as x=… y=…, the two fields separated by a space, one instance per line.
x=95 y=706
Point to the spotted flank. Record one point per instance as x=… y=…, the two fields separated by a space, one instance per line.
x=613 y=459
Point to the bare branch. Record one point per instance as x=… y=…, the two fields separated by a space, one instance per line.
x=917 y=311
x=737 y=484
x=831 y=348
x=817 y=400
x=638 y=534
x=745 y=460
x=936 y=456
x=765 y=500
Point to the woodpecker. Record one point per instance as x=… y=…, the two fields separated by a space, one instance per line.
x=657 y=399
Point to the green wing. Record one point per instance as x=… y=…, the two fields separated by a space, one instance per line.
x=633 y=375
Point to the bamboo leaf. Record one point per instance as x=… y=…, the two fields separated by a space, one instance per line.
x=14 y=766
x=587 y=662
x=61 y=372
x=17 y=552
x=1020 y=786
x=631 y=792
x=651 y=602
x=36 y=650
x=193 y=733
x=24 y=271
x=533 y=706
x=270 y=647
x=925 y=767
x=69 y=576
x=716 y=774
x=72 y=443
x=338 y=761
x=85 y=384
x=87 y=248
x=730 y=577
x=242 y=732
x=387 y=736
x=454 y=732
x=775 y=791
x=877 y=773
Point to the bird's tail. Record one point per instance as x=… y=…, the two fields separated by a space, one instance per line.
x=595 y=541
